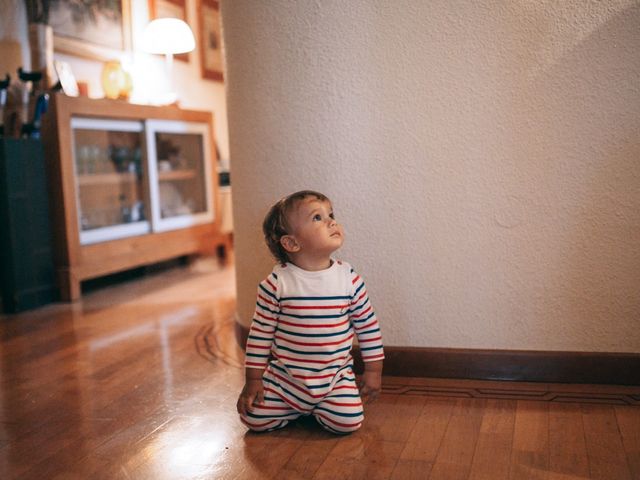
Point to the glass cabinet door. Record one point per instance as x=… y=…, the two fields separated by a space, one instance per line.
x=180 y=173
x=110 y=179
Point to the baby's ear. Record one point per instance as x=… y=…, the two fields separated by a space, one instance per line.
x=289 y=243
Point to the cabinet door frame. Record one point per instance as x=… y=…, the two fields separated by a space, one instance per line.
x=113 y=232
x=153 y=126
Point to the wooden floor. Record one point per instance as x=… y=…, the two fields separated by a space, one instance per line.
x=139 y=381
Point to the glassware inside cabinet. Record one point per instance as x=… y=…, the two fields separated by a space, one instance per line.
x=180 y=173
x=110 y=177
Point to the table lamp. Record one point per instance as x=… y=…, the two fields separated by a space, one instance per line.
x=168 y=36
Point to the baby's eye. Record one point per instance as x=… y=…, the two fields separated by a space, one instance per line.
x=317 y=217
x=332 y=216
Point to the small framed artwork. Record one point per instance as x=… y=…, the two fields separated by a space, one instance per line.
x=170 y=9
x=210 y=40
x=90 y=29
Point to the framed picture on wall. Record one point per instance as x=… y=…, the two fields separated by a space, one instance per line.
x=210 y=40
x=92 y=29
x=170 y=9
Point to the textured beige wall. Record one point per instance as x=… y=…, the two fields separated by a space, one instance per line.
x=484 y=157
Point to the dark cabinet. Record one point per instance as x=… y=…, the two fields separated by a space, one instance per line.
x=26 y=263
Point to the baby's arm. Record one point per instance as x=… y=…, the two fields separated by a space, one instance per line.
x=253 y=392
x=371 y=382
x=367 y=330
x=259 y=344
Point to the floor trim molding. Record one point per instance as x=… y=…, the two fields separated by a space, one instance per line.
x=514 y=365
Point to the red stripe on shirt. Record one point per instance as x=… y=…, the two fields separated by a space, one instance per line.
x=314 y=325
x=297 y=387
x=306 y=360
x=253 y=345
x=286 y=400
x=273 y=407
x=256 y=329
x=370 y=324
x=306 y=377
x=312 y=307
x=374 y=357
x=364 y=294
x=275 y=289
x=265 y=299
x=361 y=314
x=265 y=317
x=345 y=387
x=343 y=404
x=333 y=422
x=371 y=339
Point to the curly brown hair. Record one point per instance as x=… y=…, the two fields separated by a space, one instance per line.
x=275 y=225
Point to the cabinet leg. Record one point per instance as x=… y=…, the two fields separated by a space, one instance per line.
x=224 y=250
x=69 y=285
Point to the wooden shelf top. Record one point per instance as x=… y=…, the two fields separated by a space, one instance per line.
x=92 y=179
x=177 y=175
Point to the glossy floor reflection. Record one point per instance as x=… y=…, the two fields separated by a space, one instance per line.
x=139 y=381
x=113 y=386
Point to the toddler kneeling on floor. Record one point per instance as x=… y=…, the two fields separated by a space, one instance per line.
x=298 y=356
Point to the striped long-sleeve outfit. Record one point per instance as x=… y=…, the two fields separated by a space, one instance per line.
x=302 y=334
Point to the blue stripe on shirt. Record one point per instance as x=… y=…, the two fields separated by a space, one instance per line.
x=263 y=323
x=311 y=317
x=253 y=337
x=364 y=320
x=288 y=392
x=362 y=349
x=272 y=295
x=315 y=298
x=262 y=307
x=297 y=334
x=369 y=331
x=249 y=354
x=283 y=371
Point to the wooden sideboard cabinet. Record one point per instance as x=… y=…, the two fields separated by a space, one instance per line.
x=129 y=185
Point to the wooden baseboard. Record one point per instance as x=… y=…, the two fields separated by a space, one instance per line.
x=508 y=365
x=514 y=365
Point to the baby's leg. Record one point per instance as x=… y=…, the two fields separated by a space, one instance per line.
x=271 y=415
x=341 y=410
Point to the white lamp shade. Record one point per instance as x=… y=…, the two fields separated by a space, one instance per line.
x=167 y=36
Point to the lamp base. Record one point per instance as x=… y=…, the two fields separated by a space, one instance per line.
x=165 y=98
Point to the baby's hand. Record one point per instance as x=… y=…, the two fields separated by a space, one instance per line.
x=252 y=394
x=370 y=385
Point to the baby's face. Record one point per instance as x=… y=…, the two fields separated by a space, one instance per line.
x=314 y=226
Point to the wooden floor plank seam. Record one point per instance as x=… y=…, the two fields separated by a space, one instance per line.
x=515 y=394
x=208 y=347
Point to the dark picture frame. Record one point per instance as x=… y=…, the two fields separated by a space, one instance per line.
x=210 y=41
x=91 y=29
